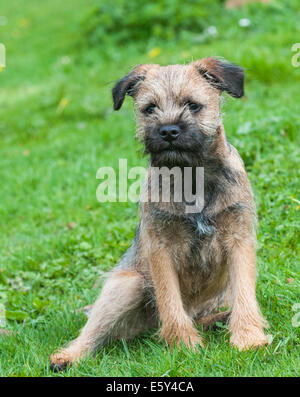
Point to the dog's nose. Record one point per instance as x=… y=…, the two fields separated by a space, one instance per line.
x=169 y=132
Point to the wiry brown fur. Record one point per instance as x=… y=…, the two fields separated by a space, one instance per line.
x=183 y=267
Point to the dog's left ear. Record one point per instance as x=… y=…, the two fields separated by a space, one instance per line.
x=223 y=76
x=129 y=84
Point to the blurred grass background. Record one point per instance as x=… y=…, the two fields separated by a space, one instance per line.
x=57 y=128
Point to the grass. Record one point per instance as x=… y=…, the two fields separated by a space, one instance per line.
x=57 y=128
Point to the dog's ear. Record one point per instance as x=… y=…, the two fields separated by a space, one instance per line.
x=224 y=76
x=128 y=85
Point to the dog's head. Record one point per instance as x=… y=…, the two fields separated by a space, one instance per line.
x=179 y=107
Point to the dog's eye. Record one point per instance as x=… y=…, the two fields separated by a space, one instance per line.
x=194 y=107
x=149 y=109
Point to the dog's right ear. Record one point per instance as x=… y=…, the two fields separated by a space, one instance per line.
x=128 y=85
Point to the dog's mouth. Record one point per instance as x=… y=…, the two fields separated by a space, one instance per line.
x=166 y=147
x=171 y=148
x=173 y=156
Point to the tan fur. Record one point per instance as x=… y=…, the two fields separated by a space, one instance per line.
x=161 y=280
x=177 y=326
x=120 y=297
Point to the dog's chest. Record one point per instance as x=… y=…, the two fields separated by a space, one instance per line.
x=193 y=242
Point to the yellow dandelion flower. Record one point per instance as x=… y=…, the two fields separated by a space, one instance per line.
x=154 y=52
x=62 y=104
x=24 y=22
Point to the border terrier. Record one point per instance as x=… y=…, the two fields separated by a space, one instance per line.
x=181 y=268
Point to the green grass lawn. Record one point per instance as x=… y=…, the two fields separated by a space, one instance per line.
x=57 y=128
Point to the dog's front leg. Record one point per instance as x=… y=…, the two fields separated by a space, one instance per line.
x=246 y=322
x=176 y=326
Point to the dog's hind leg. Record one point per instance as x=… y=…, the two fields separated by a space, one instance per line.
x=211 y=319
x=117 y=313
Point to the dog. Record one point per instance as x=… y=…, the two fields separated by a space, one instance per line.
x=182 y=267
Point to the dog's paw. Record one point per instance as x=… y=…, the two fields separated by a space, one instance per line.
x=249 y=338
x=61 y=360
x=191 y=341
x=188 y=337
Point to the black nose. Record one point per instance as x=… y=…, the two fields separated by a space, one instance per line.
x=169 y=132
